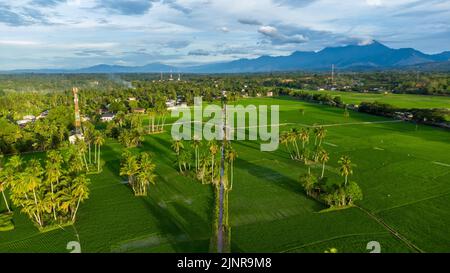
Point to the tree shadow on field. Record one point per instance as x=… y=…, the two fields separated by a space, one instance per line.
x=282 y=181
x=111 y=159
x=156 y=149
x=178 y=231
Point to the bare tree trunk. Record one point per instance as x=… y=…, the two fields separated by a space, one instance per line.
x=6 y=202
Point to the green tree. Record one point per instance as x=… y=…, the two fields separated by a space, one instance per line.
x=231 y=156
x=346 y=167
x=323 y=158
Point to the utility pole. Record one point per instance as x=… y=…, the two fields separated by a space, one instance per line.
x=77 y=111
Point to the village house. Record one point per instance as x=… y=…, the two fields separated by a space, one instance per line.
x=107 y=117
x=139 y=110
x=75 y=137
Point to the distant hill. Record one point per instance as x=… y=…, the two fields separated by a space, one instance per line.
x=373 y=56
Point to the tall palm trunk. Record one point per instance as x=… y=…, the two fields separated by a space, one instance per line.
x=98 y=159
x=6 y=202
x=296 y=148
x=212 y=169
x=323 y=169
x=232 y=177
x=163 y=122
x=89 y=147
x=85 y=162
x=76 y=209
x=95 y=153
x=153 y=124
x=38 y=216
x=53 y=201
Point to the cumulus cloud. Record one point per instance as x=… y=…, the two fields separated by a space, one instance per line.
x=280 y=38
x=224 y=29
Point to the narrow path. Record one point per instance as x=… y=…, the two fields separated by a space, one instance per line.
x=392 y=231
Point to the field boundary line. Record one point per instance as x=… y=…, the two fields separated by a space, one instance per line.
x=391 y=230
x=441 y=164
x=413 y=202
x=332 y=239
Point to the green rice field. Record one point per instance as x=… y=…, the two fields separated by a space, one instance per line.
x=403 y=170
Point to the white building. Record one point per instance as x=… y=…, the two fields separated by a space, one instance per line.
x=170 y=103
x=73 y=138
x=22 y=122
x=29 y=117
x=107 y=117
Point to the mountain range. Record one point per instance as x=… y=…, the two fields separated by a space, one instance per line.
x=373 y=56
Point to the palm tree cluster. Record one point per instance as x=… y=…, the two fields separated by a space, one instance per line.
x=140 y=171
x=127 y=128
x=204 y=158
x=92 y=137
x=297 y=143
x=292 y=138
x=49 y=194
x=157 y=117
x=337 y=194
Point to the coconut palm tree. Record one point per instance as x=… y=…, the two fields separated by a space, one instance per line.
x=80 y=192
x=99 y=141
x=284 y=139
x=346 y=167
x=31 y=178
x=54 y=173
x=320 y=134
x=129 y=166
x=151 y=124
x=308 y=182
x=120 y=118
x=196 y=146
x=203 y=168
x=184 y=159
x=213 y=149
x=3 y=186
x=177 y=146
x=231 y=156
x=323 y=158
x=293 y=135
x=81 y=145
x=88 y=134
x=304 y=136
x=146 y=174
x=15 y=163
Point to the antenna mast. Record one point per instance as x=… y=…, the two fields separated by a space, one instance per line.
x=332 y=74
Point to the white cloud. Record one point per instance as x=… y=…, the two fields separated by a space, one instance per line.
x=376 y=3
x=170 y=29
x=18 y=43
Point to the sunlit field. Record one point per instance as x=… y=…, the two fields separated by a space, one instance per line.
x=403 y=170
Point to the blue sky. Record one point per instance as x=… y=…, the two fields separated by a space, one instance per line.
x=80 y=33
